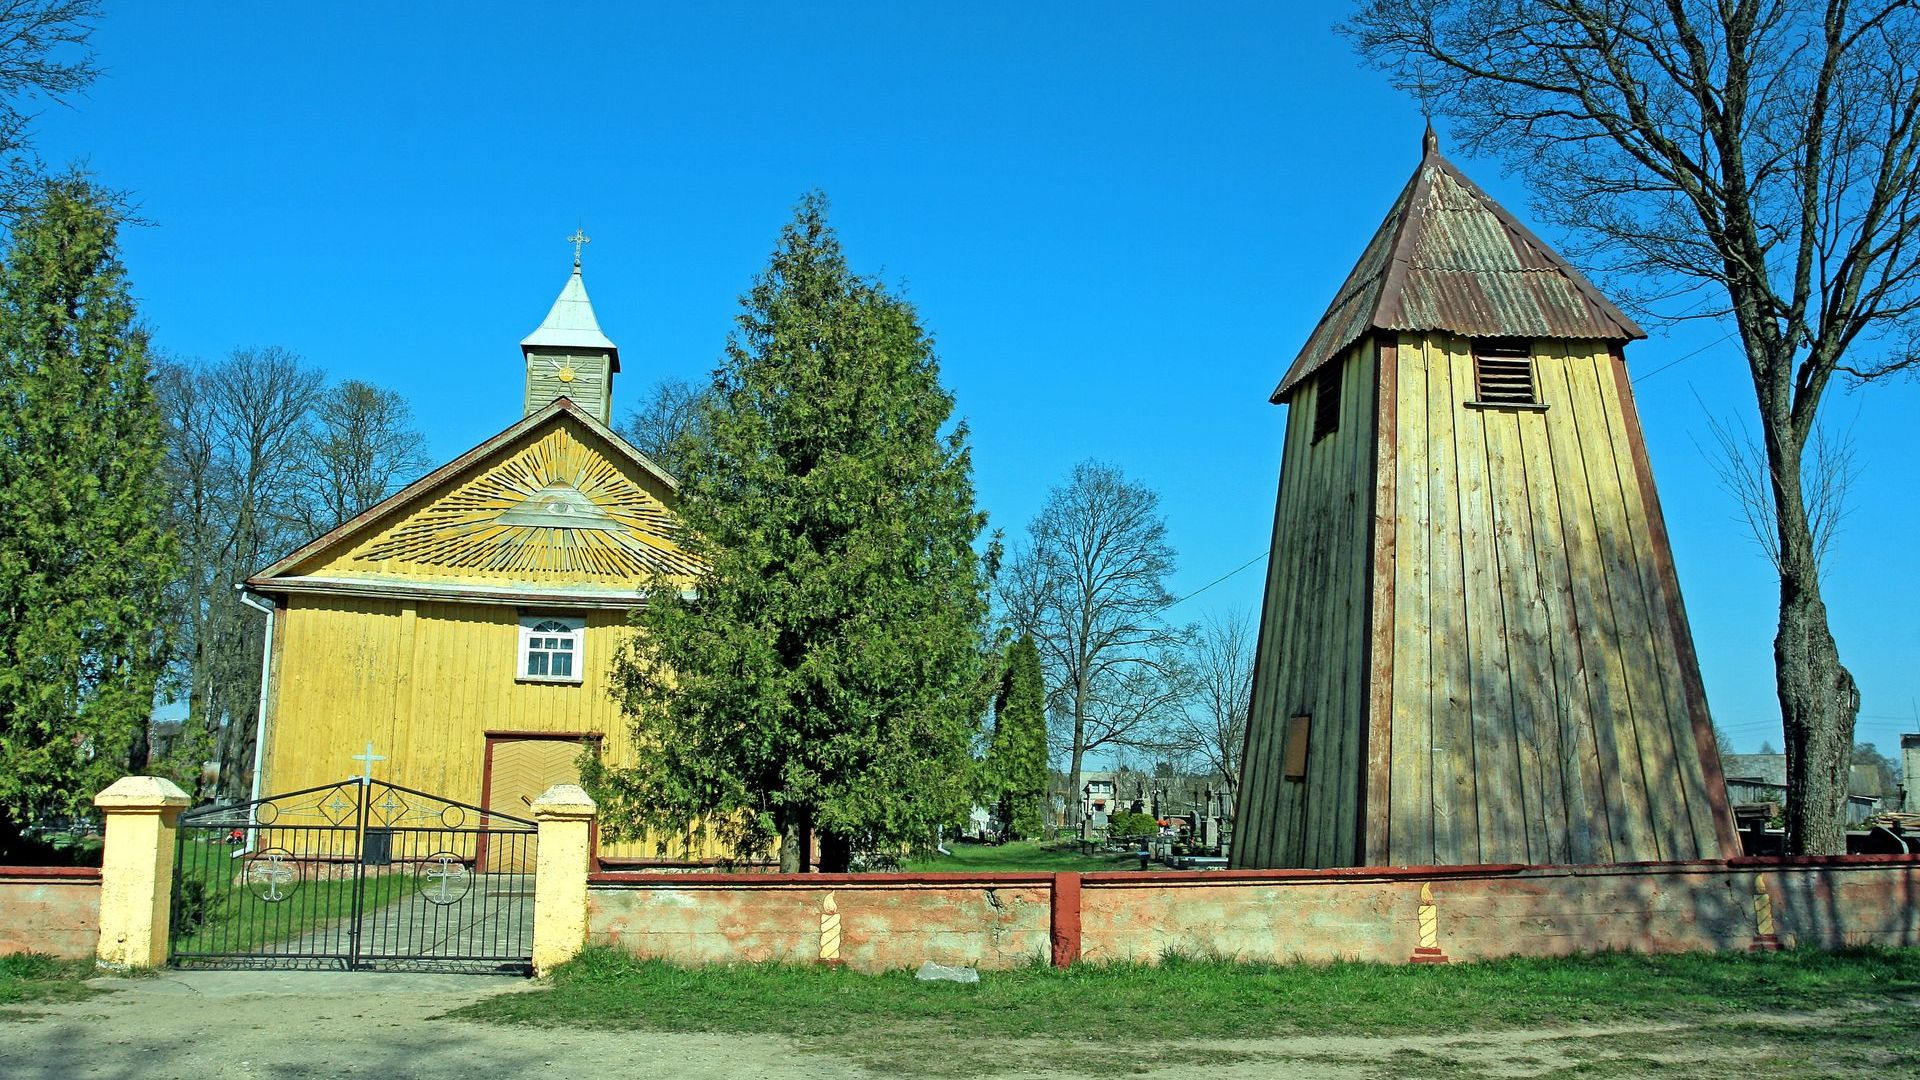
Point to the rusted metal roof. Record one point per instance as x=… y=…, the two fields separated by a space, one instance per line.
x=1449 y=258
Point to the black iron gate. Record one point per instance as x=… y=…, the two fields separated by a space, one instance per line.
x=358 y=875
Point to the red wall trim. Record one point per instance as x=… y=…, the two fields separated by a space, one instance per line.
x=63 y=873
x=1065 y=928
x=1133 y=878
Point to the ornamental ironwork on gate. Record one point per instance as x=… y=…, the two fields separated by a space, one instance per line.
x=360 y=874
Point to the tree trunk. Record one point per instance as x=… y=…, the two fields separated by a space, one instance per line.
x=793 y=843
x=1076 y=810
x=836 y=853
x=1818 y=700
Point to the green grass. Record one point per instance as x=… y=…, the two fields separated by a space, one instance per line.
x=1028 y=855
x=1127 y=1017
x=29 y=978
x=225 y=916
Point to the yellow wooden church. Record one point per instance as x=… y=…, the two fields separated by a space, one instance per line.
x=465 y=625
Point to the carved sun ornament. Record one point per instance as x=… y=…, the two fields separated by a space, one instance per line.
x=555 y=507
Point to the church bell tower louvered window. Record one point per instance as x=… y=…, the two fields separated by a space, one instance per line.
x=1503 y=373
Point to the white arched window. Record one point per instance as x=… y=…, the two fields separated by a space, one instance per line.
x=550 y=648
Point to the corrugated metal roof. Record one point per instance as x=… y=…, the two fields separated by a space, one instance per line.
x=571 y=322
x=1449 y=258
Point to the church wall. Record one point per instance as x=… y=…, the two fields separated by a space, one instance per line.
x=1544 y=699
x=1311 y=656
x=425 y=682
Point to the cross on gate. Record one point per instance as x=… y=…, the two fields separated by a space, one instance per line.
x=367 y=759
x=443 y=872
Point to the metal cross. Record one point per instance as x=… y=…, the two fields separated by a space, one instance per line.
x=579 y=239
x=443 y=872
x=368 y=758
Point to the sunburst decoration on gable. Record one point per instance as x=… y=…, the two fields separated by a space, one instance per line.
x=555 y=507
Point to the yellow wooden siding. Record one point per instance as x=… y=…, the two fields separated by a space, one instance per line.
x=1533 y=629
x=424 y=681
x=1311 y=654
x=453 y=535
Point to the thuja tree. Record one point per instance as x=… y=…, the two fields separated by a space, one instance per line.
x=1758 y=159
x=823 y=677
x=1016 y=771
x=84 y=554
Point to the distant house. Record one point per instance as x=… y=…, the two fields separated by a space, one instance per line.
x=1772 y=769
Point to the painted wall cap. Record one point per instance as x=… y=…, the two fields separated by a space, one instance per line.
x=141 y=793
x=564 y=801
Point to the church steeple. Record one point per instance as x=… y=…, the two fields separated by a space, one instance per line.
x=567 y=355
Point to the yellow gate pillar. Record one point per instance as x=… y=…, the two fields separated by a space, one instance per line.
x=136 y=870
x=565 y=813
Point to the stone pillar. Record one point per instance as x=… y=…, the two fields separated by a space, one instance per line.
x=565 y=813
x=136 y=870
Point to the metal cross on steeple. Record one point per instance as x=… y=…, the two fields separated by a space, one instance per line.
x=579 y=239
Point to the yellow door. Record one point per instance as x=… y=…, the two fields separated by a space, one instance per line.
x=521 y=770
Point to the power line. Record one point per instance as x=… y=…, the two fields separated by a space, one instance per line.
x=1215 y=581
x=1674 y=363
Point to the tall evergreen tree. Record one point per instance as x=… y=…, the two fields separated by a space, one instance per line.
x=824 y=677
x=85 y=557
x=1016 y=769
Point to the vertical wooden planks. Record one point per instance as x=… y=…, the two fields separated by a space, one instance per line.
x=1628 y=821
x=1346 y=651
x=1376 y=804
x=1456 y=827
x=1574 y=764
x=1308 y=665
x=1494 y=761
x=1259 y=802
x=1646 y=714
x=1411 y=817
x=1532 y=726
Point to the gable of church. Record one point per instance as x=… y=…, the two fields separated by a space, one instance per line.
x=555 y=504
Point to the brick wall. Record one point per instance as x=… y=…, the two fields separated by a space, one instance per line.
x=1003 y=920
x=52 y=910
x=886 y=920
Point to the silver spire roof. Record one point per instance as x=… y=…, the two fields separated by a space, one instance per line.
x=570 y=323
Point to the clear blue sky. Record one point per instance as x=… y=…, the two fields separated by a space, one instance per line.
x=1119 y=220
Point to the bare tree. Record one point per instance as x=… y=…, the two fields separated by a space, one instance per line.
x=362 y=448
x=43 y=56
x=662 y=419
x=1759 y=157
x=236 y=448
x=1213 y=727
x=1827 y=476
x=1089 y=587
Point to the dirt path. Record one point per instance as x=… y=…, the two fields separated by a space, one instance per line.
x=216 y=1025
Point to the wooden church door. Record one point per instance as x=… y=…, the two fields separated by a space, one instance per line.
x=521 y=766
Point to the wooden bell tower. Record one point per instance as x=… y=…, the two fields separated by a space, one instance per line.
x=1472 y=647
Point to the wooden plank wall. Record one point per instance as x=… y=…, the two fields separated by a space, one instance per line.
x=1314 y=630
x=424 y=681
x=1540 y=711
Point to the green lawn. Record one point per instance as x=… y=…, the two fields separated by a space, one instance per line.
x=227 y=918
x=1031 y=855
x=1119 y=1017
x=28 y=978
